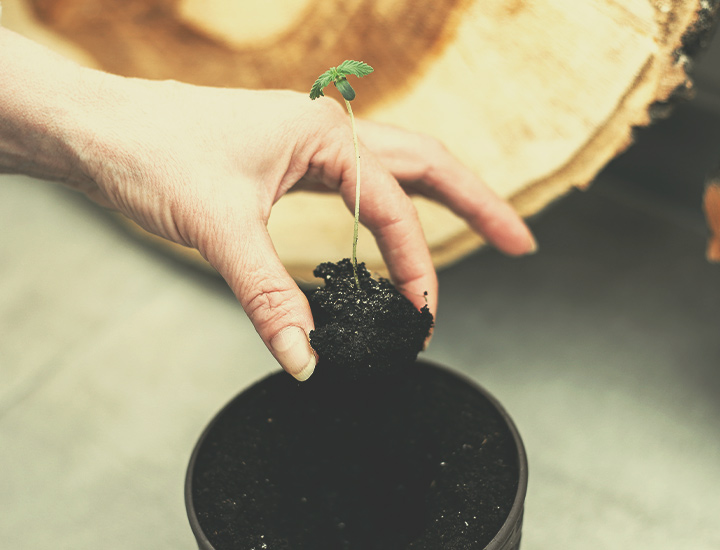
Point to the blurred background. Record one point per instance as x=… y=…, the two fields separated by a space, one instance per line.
x=604 y=347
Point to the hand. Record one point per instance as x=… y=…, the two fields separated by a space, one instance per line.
x=203 y=167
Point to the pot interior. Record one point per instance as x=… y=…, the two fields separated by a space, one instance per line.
x=421 y=461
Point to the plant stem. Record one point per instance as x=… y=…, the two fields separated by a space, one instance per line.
x=357 y=194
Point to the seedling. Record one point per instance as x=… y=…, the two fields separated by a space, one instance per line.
x=338 y=76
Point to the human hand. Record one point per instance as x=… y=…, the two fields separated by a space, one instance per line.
x=203 y=167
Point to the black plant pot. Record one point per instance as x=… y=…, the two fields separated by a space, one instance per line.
x=428 y=461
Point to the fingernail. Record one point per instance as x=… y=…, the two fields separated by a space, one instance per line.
x=292 y=349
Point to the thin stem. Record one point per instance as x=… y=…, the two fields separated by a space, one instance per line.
x=357 y=195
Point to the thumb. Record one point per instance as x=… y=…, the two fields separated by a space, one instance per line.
x=275 y=305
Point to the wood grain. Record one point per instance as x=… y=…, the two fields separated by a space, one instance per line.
x=535 y=96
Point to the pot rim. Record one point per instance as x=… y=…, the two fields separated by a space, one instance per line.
x=498 y=542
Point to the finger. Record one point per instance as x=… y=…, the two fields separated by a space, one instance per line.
x=423 y=165
x=492 y=217
x=387 y=211
x=275 y=305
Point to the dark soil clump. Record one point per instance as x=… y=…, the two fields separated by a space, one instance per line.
x=366 y=331
x=419 y=462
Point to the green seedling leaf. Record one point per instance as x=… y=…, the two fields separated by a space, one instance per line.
x=338 y=76
x=357 y=68
x=322 y=81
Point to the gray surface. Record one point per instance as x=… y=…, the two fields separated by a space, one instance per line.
x=604 y=347
x=111 y=362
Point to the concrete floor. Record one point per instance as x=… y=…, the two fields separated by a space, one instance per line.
x=604 y=347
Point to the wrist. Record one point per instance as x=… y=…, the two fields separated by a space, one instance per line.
x=44 y=99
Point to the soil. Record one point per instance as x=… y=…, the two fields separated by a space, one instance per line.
x=364 y=331
x=422 y=462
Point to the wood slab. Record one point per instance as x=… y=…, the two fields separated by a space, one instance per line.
x=536 y=96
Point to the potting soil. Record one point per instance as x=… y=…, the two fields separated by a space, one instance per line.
x=366 y=331
x=422 y=461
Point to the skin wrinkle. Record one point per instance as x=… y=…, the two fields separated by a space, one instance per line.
x=270 y=303
x=296 y=173
x=388 y=227
x=269 y=298
x=313 y=175
x=332 y=161
x=394 y=240
x=383 y=218
x=213 y=235
x=207 y=238
x=301 y=162
x=327 y=168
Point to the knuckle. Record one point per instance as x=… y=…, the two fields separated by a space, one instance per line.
x=268 y=302
x=429 y=154
x=435 y=148
x=328 y=115
x=331 y=109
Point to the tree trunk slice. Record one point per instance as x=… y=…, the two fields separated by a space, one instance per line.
x=535 y=96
